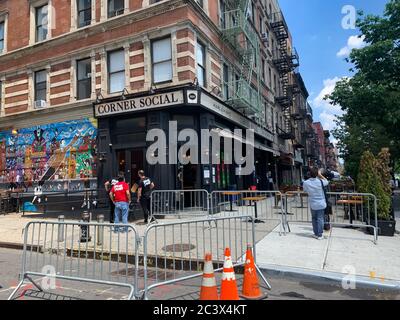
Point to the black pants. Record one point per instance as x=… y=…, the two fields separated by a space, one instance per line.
x=145 y=204
x=112 y=210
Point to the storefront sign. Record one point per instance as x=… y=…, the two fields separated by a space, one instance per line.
x=217 y=107
x=138 y=104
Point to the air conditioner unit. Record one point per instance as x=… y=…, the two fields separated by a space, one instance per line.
x=40 y=104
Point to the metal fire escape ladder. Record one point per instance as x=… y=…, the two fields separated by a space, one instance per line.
x=285 y=63
x=240 y=34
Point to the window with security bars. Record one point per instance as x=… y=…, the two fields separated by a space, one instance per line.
x=84 y=12
x=84 y=78
x=40 y=85
x=162 y=60
x=115 y=8
x=41 y=23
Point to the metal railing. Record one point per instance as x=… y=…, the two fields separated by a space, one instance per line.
x=174 y=252
x=73 y=203
x=179 y=203
x=79 y=251
x=260 y=205
x=358 y=210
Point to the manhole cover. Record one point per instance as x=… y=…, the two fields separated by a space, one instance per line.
x=178 y=247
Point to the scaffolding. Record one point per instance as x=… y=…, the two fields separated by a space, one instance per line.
x=239 y=33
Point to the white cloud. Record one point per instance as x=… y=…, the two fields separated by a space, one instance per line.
x=326 y=110
x=320 y=102
x=354 y=42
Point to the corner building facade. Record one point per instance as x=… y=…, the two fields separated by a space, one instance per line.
x=82 y=82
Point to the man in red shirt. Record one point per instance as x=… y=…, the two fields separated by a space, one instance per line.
x=121 y=197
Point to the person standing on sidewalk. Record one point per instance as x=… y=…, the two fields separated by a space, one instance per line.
x=316 y=197
x=108 y=186
x=143 y=194
x=121 y=197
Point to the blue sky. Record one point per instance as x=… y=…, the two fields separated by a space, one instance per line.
x=318 y=35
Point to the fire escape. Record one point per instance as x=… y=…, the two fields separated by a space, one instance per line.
x=286 y=61
x=239 y=33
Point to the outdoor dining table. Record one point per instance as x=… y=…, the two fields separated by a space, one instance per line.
x=231 y=194
x=254 y=200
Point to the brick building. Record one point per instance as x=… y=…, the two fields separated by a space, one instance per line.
x=83 y=81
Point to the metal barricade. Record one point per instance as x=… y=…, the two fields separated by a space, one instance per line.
x=181 y=203
x=175 y=251
x=263 y=206
x=71 y=203
x=77 y=251
x=358 y=210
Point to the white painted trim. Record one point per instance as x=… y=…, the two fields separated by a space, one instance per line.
x=138 y=78
x=136 y=52
x=185 y=40
x=60 y=95
x=14 y=84
x=185 y=54
x=61 y=83
x=186 y=68
x=16 y=94
x=60 y=72
x=136 y=66
x=17 y=104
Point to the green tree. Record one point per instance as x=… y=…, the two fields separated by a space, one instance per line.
x=370 y=99
x=370 y=181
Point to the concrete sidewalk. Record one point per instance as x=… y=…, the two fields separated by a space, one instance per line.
x=343 y=251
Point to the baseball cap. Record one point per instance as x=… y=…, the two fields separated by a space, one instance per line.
x=113 y=181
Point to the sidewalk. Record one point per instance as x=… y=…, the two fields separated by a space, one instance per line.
x=343 y=251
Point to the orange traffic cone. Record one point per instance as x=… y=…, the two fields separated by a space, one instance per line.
x=229 y=289
x=251 y=288
x=209 y=290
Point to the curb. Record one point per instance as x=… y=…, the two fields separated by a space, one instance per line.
x=333 y=277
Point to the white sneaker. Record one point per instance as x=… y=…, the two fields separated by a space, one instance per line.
x=320 y=238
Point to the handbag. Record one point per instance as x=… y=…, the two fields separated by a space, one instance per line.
x=328 y=210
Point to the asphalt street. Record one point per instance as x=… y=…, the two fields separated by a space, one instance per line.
x=283 y=288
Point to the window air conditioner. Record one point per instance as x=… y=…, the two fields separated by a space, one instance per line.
x=39 y=104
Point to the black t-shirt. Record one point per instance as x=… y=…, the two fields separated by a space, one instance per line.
x=145 y=185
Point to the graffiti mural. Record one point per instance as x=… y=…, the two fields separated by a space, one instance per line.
x=56 y=151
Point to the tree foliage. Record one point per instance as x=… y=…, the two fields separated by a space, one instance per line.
x=370 y=181
x=371 y=98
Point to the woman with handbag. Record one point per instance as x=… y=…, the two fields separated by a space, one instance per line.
x=315 y=187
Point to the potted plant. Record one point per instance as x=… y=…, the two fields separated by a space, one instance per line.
x=374 y=178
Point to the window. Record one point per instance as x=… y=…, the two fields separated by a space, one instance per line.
x=263 y=70
x=116 y=71
x=1 y=36
x=201 y=63
x=162 y=60
x=270 y=78
x=225 y=87
x=115 y=8
x=222 y=10
x=84 y=12
x=41 y=20
x=40 y=85
x=84 y=78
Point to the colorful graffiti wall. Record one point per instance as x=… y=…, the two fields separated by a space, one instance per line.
x=56 y=151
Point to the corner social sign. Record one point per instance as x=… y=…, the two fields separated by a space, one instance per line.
x=141 y=103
